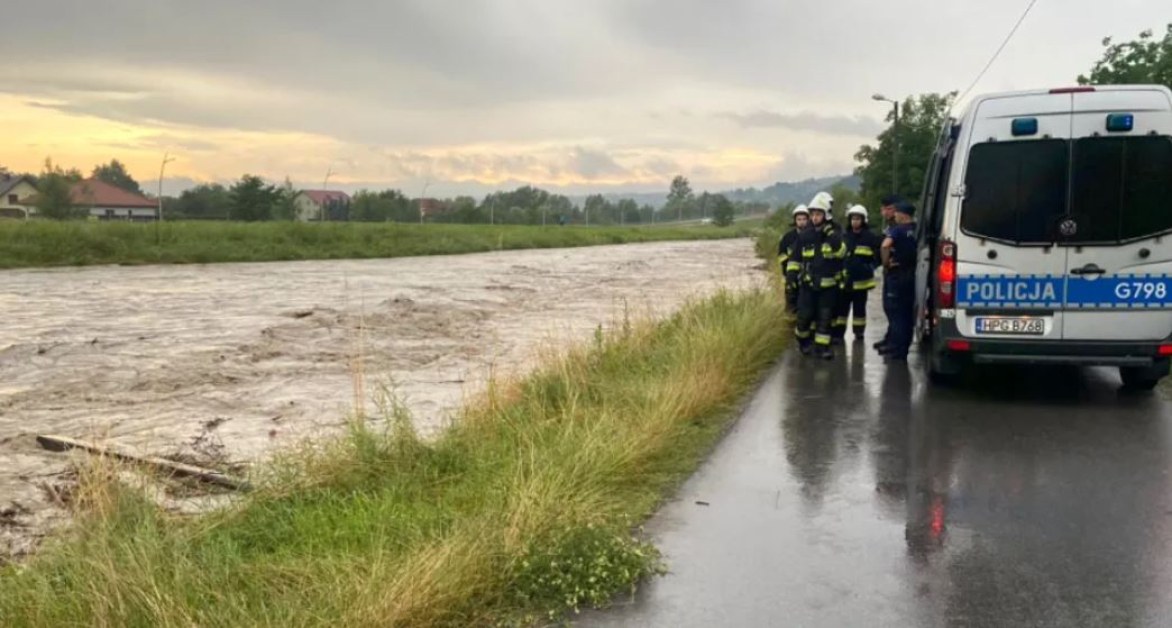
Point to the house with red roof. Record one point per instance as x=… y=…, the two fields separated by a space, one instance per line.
x=110 y=202
x=99 y=200
x=317 y=205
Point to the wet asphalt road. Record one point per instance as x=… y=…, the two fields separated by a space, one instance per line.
x=853 y=494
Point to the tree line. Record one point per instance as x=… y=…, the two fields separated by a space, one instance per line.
x=526 y=205
x=252 y=199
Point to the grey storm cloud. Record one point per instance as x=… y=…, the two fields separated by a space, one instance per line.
x=418 y=74
x=837 y=125
x=595 y=164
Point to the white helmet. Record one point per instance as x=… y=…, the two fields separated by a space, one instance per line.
x=823 y=201
x=857 y=210
x=800 y=209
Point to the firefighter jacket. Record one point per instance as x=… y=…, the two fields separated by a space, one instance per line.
x=821 y=251
x=790 y=265
x=862 y=257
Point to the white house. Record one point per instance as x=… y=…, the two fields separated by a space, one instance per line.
x=14 y=189
x=314 y=205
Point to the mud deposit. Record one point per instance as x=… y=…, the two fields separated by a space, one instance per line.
x=221 y=364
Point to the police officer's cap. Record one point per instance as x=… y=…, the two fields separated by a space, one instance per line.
x=905 y=207
x=891 y=199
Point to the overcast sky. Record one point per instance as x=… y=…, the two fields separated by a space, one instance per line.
x=474 y=94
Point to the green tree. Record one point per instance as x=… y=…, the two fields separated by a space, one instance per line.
x=115 y=174
x=384 y=206
x=920 y=121
x=595 y=209
x=286 y=206
x=1146 y=60
x=465 y=211
x=722 y=210
x=680 y=197
x=253 y=199
x=628 y=211
x=704 y=203
x=646 y=213
x=526 y=205
x=54 y=198
x=202 y=202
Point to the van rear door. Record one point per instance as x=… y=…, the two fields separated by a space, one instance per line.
x=1010 y=276
x=1119 y=231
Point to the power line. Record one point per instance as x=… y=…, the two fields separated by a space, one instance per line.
x=1005 y=43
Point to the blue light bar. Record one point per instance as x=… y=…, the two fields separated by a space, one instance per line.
x=1120 y=122
x=1025 y=126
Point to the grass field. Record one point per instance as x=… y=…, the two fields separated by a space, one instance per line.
x=45 y=243
x=525 y=510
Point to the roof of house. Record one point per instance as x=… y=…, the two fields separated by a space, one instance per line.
x=326 y=196
x=7 y=182
x=101 y=194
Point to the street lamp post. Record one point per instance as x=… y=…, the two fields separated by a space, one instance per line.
x=166 y=159
x=325 y=188
x=422 y=199
x=895 y=138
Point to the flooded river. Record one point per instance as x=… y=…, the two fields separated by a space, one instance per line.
x=227 y=362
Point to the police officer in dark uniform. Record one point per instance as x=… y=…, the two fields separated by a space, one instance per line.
x=790 y=265
x=821 y=251
x=862 y=257
x=899 y=293
x=887 y=209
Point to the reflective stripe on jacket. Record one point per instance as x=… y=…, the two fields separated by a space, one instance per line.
x=861 y=259
x=822 y=254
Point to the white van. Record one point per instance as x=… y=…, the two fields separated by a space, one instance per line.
x=1045 y=233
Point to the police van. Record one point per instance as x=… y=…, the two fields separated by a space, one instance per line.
x=1046 y=233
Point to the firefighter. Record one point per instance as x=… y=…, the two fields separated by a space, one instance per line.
x=790 y=265
x=862 y=257
x=822 y=251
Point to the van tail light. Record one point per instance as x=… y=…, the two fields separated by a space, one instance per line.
x=1165 y=351
x=946 y=276
x=960 y=346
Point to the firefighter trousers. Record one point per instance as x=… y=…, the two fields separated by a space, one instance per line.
x=852 y=309
x=815 y=315
x=791 y=293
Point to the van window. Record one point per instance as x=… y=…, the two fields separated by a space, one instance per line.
x=1016 y=191
x=1121 y=188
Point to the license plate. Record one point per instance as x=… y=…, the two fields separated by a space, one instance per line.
x=1020 y=326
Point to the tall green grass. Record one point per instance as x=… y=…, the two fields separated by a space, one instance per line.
x=523 y=510
x=46 y=243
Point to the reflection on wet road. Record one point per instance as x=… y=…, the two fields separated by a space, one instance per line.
x=852 y=494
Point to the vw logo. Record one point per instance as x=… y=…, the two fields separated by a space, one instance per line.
x=1068 y=227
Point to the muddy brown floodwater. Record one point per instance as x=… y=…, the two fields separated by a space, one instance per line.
x=225 y=363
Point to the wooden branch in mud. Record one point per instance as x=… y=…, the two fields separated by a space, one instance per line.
x=211 y=476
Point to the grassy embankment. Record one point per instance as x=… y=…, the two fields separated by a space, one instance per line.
x=524 y=510
x=45 y=243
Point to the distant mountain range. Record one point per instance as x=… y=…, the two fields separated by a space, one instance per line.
x=779 y=193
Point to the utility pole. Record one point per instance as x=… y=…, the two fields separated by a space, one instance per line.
x=895 y=140
x=159 y=218
x=325 y=188
x=422 y=198
x=166 y=159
